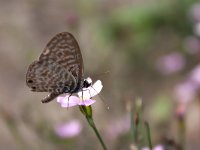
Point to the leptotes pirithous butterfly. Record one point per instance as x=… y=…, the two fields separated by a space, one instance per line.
x=59 y=68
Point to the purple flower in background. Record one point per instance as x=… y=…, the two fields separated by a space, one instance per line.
x=171 y=63
x=197 y=29
x=192 y=45
x=195 y=12
x=69 y=129
x=84 y=96
x=72 y=18
x=157 y=147
x=118 y=127
x=185 y=91
x=180 y=110
x=195 y=75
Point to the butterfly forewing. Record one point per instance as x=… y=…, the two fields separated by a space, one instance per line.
x=59 y=68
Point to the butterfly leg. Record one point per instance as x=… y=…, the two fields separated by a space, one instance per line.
x=50 y=97
x=68 y=99
x=86 y=90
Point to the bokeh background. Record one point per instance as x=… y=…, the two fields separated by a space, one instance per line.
x=151 y=49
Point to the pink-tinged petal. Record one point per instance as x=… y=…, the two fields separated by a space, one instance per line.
x=91 y=91
x=73 y=101
x=87 y=102
x=69 y=129
x=69 y=104
x=68 y=101
x=157 y=147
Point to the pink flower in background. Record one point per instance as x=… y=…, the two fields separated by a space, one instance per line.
x=197 y=29
x=180 y=110
x=171 y=63
x=72 y=18
x=192 y=45
x=118 y=127
x=70 y=101
x=195 y=12
x=157 y=147
x=185 y=91
x=195 y=75
x=84 y=96
x=69 y=129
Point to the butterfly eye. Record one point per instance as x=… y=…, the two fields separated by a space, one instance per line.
x=33 y=87
x=86 y=84
x=30 y=81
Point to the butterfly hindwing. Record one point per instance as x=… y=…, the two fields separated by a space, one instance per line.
x=45 y=76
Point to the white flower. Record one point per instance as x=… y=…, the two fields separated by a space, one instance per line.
x=84 y=96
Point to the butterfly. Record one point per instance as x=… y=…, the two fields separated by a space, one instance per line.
x=59 y=68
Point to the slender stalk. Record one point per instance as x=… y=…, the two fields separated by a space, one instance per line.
x=132 y=125
x=137 y=120
x=87 y=112
x=92 y=124
x=181 y=131
x=148 y=135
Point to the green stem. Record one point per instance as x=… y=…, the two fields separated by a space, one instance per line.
x=148 y=135
x=92 y=124
x=181 y=128
x=137 y=119
x=132 y=125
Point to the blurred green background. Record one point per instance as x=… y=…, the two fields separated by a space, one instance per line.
x=150 y=48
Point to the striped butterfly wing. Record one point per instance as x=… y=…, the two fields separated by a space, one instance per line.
x=59 y=68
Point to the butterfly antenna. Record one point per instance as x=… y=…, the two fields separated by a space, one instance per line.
x=102 y=99
x=68 y=101
x=100 y=74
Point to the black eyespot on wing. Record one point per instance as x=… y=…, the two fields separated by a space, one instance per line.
x=30 y=81
x=33 y=87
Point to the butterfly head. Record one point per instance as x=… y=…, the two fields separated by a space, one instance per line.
x=87 y=82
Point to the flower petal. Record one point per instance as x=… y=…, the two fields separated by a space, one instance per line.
x=96 y=88
x=87 y=102
x=68 y=129
x=91 y=91
x=157 y=147
x=68 y=101
x=171 y=63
